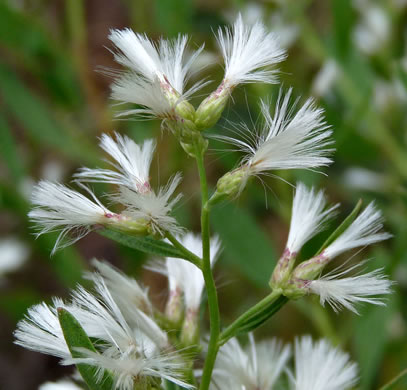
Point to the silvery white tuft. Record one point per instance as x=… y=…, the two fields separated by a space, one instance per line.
x=319 y=366
x=363 y=231
x=347 y=292
x=258 y=366
x=157 y=73
x=40 y=331
x=154 y=207
x=131 y=160
x=247 y=49
x=309 y=216
x=60 y=385
x=59 y=208
x=126 y=291
x=184 y=276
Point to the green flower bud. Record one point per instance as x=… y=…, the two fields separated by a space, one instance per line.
x=210 y=110
x=311 y=268
x=283 y=269
x=190 y=328
x=230 y=184
x=185 y=110
x=128 y=225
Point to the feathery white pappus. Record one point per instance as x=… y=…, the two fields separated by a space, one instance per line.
x=60 y=385
x=131 y=160
x=185 y=276
x=157 y=72
x=286 y=140
x=309 y=216
x=152 y=206
x=346 y=292
x=363 y=231
x=258 y=366
x=132 y=346
x=59 y=208
x=247 y=49
x=319 y=366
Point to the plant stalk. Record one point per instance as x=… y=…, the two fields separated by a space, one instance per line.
x=208 y=277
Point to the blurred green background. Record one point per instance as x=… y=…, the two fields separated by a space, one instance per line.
x=350 y=55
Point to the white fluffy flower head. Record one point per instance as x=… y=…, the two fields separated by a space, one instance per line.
x=157 y=72
x=319 y=366
x=59 y=208
x=152 y=206
x=247 y=50
x=348 y=291
x=364 y=230
x=309 y=216
x=258 y=366
x=131 y=161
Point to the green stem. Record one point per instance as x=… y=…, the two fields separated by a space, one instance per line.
x=208 y=277
x=394 y=381
x=259 y=307
x=188 y=254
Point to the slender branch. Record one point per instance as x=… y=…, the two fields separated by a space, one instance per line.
x=272 y=298
x=208 y=277
x=188 y=254
x=394 y=381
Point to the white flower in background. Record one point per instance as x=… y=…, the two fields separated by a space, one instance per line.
x=131 y=344
x=326 y=78
x=258 y=366
x=131 y=160
x=184 y=276
x=60 y=385
x=156 y=75
x=319 y=366
x=365 y=179
x=58 y=208
x=373 y=31
x=388 y=93
x=346 y=292
x=153 y=207
x=363 y=231
x=125 y=290
x=13 y=254
x=247 y=50
x=309 y=216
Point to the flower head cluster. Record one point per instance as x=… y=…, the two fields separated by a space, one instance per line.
x=130 y=345
x=156 y=73
x=59 y=208
x=186 y=284
x=309 y=216
x=318 y=366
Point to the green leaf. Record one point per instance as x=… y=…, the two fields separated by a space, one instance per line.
x=143 y=244
x=9 y=152
x=75 y=338
x=246 y=246
x=342 y=227
x=38 y=120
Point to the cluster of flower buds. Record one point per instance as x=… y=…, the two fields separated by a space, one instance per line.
x=309 y=217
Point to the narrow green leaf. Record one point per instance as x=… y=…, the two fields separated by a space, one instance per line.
x=143 y=244
x=246 y=246
x=38 y=120
x=9 y=153
x=76 y=337
x=342 y=227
